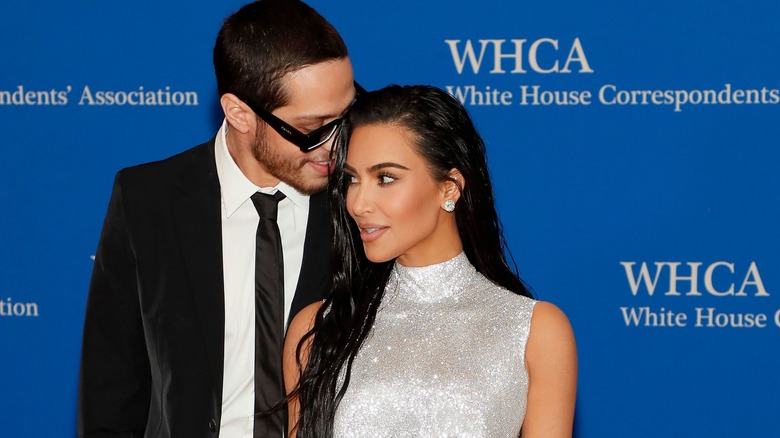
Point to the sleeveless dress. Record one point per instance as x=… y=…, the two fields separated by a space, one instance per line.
x=445 y=358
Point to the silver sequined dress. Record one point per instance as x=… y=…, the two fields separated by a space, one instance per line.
x=445 y=358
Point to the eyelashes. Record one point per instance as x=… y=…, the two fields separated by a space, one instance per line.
x=383 y=179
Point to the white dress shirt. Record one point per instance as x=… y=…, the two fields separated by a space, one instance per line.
x=239 y=227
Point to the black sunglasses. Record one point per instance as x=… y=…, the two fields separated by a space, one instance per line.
x=305 y=142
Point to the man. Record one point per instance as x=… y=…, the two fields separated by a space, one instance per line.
x=172 y=331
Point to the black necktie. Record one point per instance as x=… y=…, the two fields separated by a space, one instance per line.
x=269 y=317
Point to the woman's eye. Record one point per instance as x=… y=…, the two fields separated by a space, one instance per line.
x=352 y=179
x=386 y=179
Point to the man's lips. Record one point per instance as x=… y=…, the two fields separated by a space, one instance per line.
x=322 y=167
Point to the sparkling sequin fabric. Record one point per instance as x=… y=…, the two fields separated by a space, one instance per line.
x=445 y=359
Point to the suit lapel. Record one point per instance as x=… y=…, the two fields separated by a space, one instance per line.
x=314 y=280
x=197 y=216
x=198 y=221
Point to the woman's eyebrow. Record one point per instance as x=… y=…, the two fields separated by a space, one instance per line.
x=376 y=167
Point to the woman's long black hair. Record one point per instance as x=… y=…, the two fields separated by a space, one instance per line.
x=444 y=135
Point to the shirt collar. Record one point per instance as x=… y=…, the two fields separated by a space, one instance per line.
x=235 y=186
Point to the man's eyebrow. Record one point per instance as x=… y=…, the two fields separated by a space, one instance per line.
x=318 y=117
x=314 y=117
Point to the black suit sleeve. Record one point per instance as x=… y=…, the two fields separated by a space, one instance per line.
x=115 y=380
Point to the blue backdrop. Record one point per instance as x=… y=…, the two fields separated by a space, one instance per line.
x=633 y=147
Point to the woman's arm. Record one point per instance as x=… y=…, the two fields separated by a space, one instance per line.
x=299 y=326
x=551 y=360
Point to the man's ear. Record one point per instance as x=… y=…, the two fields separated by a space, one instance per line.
x=238 y=114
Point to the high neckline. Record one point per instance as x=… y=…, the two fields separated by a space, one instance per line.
x=431 y=283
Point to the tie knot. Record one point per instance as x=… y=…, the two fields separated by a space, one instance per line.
x=267 y=205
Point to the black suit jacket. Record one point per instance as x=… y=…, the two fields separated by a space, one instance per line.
x=152 y=354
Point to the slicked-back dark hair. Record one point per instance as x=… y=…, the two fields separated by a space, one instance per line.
x=266 y=39
x=444 y=136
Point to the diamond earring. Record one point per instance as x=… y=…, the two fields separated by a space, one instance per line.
x=449 y=206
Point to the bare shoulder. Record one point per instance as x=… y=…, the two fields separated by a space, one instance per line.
x=548 y=317
x=551 y=361
x=551 y=337
x=299 y=326
x=303 y=321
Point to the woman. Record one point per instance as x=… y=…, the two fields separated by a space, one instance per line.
x=427 y=332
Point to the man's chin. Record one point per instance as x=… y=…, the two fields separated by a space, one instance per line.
x=310 y=185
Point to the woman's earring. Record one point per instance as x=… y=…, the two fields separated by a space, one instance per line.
x=449 y=206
